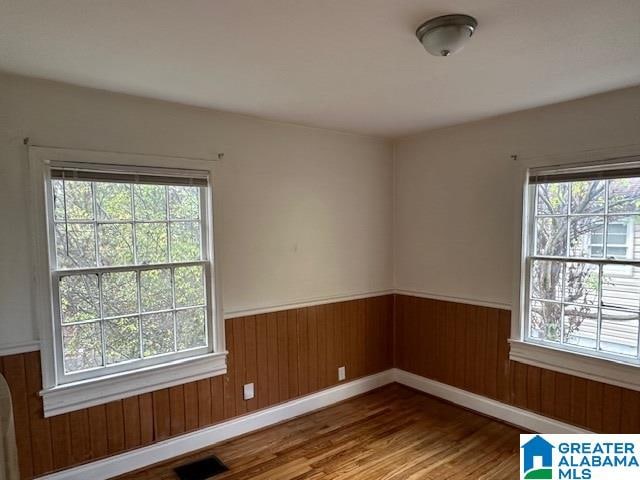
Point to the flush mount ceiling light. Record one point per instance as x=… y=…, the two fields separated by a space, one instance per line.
x=445 y=35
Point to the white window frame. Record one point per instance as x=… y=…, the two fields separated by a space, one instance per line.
x=63 y=393
x=577 y=362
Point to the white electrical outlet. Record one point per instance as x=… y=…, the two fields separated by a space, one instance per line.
x=248 y=391
x=342 y=373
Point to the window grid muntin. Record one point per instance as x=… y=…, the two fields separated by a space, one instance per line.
x=56 y=274
x=533 y=192
x=140 y=313
x=168 y=221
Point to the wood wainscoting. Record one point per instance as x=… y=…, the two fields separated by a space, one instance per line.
x=295 y=352
x=286 y=354
x=466 y=346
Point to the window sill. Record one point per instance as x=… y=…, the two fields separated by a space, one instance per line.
x=603 y=370
x=98 y=391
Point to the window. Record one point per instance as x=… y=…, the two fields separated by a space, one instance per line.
x=129 y=270
x=131 y=280
x=582 y=261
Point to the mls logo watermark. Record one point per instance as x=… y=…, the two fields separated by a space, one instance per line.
x=536 y=458
x=580 y=457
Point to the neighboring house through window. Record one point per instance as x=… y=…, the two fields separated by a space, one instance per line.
x=582 y=267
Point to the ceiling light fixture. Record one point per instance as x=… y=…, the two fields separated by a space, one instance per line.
x=445 y=35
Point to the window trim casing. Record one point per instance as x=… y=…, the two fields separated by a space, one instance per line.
x=577 y=363
x=59 y=398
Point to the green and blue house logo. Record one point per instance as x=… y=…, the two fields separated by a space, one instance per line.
x=537 y=459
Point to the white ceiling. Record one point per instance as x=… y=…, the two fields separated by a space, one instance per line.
x=344 y=64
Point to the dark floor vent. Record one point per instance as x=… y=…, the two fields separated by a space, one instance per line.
x=202 y=469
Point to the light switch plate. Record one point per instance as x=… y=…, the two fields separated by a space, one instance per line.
x=342 y=373
x=248 y=391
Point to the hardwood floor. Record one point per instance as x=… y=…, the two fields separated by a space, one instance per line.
x=390 y=433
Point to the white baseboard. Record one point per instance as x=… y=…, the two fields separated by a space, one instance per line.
x=492 y=408
x=161 y=451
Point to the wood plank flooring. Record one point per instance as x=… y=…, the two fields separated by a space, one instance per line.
x=390 y=433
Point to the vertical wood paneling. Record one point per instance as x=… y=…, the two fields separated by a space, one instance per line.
x=369 y=329
x=410 y=341
x=240 y=369
x=533 y=388
x=440 y=333
x=450 y=341
x=131 y=415
x=631 y=412
x=290 y=353
x=262 y=359
x=217 y=399
x=519 y=385
x=14 y=372
x=285 y=354
x=294 y=352
x=98 y=431
x=80 y=436
x=228 y=385
x=359 y=340
x=191 y=406
x=578 y=401
x=204 y=402
x=314 y=360
x=303 y=350
x=612 y=400
x=272 y=358
x=491 y=347
x=145 y=402
x=389 y=322
x=462 y=319
x=399 y=326
x=563 y=396
x=431 y=339
x=251 y=359
x=480 y=365
x=547 y=392
x=504 y=365
x=176 y=409
x=115 y=427
x=61 y=441
x=323 y=364
x=292 y=356
x=283 y=357
x=161 y=414
x=595 y=391
x=470 y=329
x=40 y=428
x=328 y=311
x=339 y=327
x=467 y=346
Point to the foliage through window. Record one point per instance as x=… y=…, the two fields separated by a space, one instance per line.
x=130 y=270
x=583 y=262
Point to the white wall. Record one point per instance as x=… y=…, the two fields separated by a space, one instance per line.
x=458 y=199
x=306 y=213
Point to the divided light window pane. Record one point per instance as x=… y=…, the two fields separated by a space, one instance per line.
x=129 y=271
x=584 y=289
